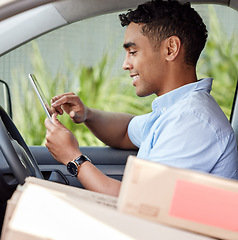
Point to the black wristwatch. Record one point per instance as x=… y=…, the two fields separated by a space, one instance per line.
x=73 y=166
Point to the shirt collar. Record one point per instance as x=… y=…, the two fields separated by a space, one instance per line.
x=166 y=100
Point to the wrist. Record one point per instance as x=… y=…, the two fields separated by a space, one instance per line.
x=73 y=166
x=88 y=114
x=72 y=157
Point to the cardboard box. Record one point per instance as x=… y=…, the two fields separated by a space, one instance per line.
x=46 y=210
x=181 y=198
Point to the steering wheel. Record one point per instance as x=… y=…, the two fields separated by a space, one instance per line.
x=15 y=150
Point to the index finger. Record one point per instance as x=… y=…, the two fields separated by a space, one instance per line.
x=65 y=99
x=56 y=98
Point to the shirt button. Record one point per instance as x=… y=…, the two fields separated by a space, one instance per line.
x=164 y=108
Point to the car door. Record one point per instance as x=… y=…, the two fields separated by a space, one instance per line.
x=110 y=161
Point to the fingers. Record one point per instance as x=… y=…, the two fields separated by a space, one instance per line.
x=66 y=98
x=48 y=124
x=61 y=95
x=51 y=125
x=65 y=102
x=71 y=104
x=53 y=134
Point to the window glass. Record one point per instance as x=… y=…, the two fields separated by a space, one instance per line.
x=220 y=56
x=86 y=58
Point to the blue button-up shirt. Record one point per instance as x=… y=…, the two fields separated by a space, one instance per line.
x=187 y=129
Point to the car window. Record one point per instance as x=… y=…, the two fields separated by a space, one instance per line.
x=86 y=58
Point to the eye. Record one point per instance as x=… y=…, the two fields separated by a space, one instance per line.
x=132 y=53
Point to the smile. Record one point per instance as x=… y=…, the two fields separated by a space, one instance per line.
x=135 y=78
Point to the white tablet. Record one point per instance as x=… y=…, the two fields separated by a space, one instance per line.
x=40 y=95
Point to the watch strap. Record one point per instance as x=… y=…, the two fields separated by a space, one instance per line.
x=81 y=159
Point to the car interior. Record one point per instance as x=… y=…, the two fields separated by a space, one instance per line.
x=21 y=22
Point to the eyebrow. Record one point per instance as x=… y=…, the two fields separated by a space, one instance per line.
x=128 y=45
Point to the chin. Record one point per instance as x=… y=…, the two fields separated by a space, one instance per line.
x=141 y=94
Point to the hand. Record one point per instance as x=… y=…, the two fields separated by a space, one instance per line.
x=61 y=143
x=71 y=104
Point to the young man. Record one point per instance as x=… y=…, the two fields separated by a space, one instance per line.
x=186 y=128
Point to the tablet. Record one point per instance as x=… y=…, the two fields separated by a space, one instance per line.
x=40 y=95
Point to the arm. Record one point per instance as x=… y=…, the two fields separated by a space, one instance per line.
x=64 y=147
x=110 y=128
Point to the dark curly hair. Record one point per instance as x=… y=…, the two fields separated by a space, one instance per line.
x=163 y=19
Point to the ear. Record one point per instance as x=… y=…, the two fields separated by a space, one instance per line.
x=173 y=47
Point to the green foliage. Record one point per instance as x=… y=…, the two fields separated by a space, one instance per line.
x=219 y=61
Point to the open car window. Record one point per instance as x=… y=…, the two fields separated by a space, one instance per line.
x=86 y=58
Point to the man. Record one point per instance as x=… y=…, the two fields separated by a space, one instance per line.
x=186 y=128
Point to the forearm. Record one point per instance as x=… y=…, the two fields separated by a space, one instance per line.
x=109 y=127
x=94 y=180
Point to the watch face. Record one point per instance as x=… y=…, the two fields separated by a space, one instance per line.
x=72 y=168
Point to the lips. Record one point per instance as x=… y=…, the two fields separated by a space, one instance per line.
x=135 y=78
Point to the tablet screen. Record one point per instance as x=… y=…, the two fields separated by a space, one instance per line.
x=40 y=95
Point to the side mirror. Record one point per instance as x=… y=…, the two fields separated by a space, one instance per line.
x=5 y=98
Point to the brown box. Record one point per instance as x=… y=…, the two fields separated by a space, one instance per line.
x=43 y=210
x=182 y=198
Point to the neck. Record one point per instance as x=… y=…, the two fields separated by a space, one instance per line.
x=178 y=77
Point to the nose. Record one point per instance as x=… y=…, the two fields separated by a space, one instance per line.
x=127 y=65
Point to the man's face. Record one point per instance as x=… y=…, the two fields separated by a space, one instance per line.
x=146 y=66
